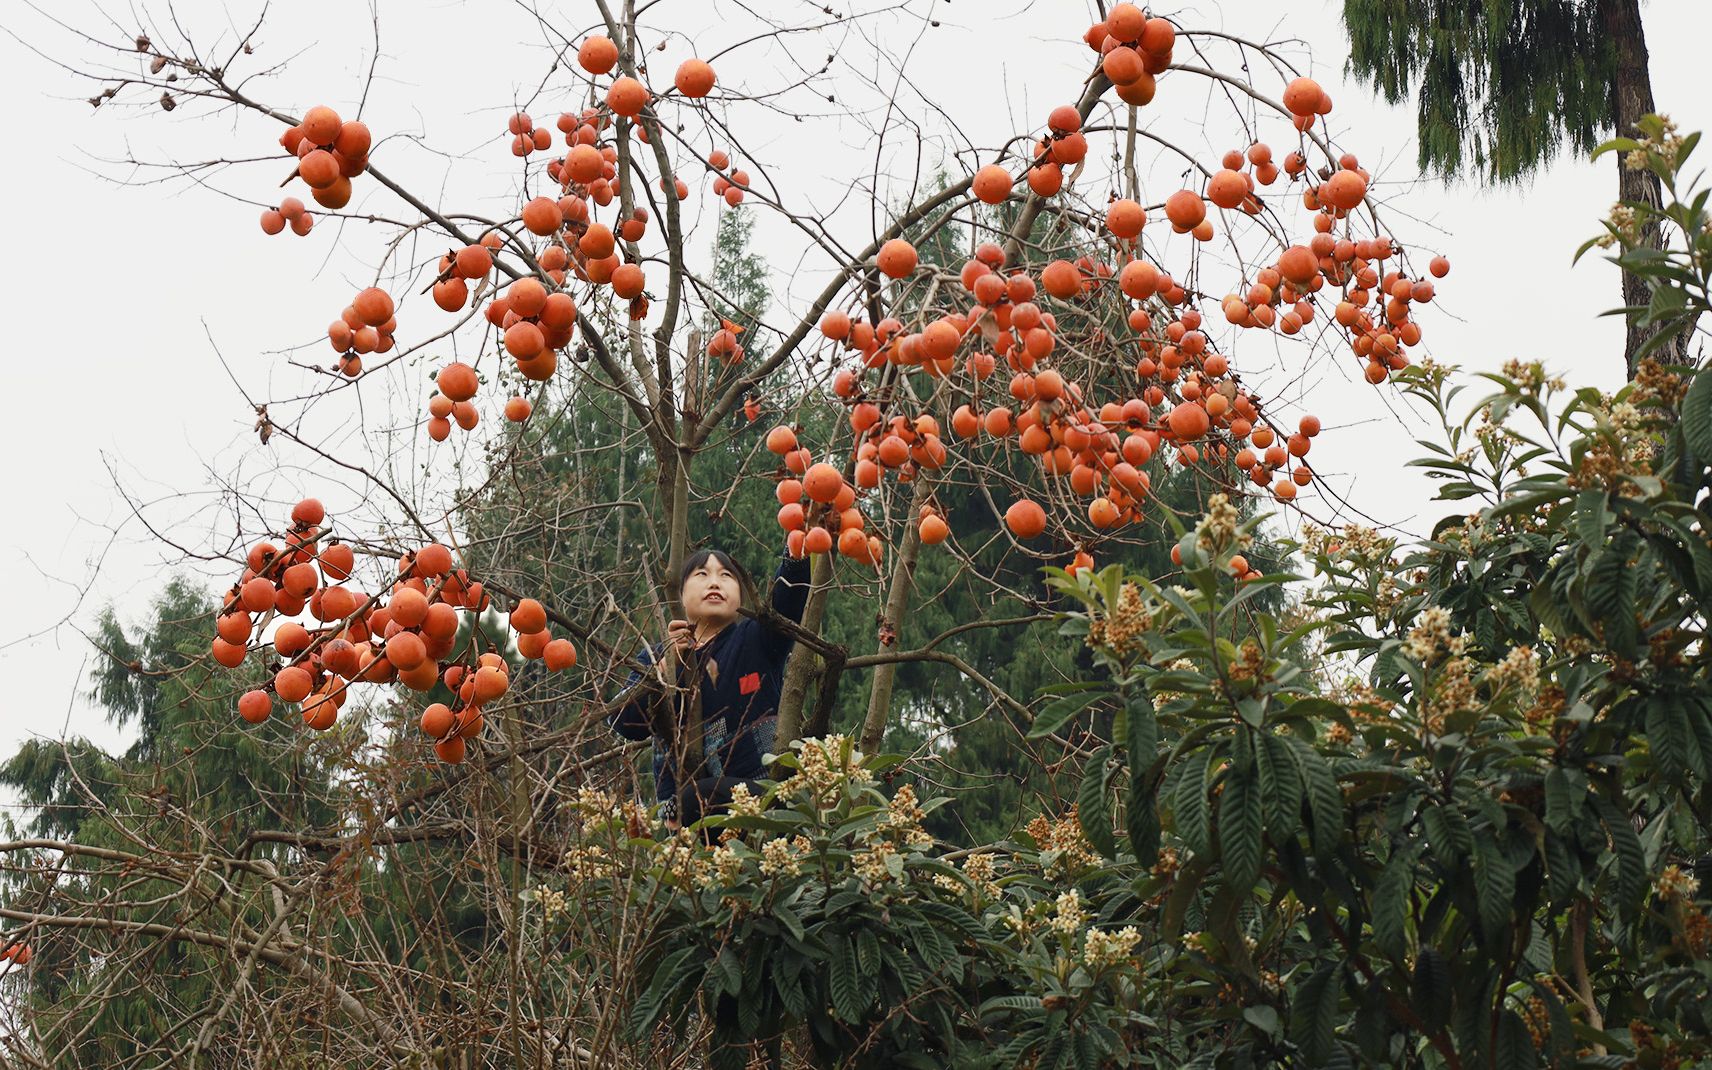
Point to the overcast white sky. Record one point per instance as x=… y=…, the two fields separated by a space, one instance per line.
x=122 y=285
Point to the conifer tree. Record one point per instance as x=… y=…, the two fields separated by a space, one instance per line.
x=1502 y=86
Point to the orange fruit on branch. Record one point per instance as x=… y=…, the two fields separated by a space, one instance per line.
x=628 y=281
x=1064 y=119
x=1227 y=188
x=627 y=97
x=1302 y=96
x=254 y=707
x=992 y=184
x=1025 y=518
x=451 y=294
x=334 y=196
x=293 y=683
x=320 y=125
x=373 y=306
x=409 y=607
x=1344 y=190
x=598 y=242
x=529 y=616
x=1123 y=65
x=437 y=721
x=491 y=682
x=1298 y=264
x=822 y=482
x=896 y=258
x=695 y=78
x=1045 y=179
x=1158 y=36
x=1188 y=421
x=1060 y=279
x=524 y=340
x=353 y=140
x=473 y=262
x=533 y=645
x=597 y=54
x=451 y=751
x=560 y=654
x=1125 y=218
x=1186 y=210
x=542 y=216
x=457 y=381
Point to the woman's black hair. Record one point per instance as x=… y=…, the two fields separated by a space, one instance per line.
x=745 y=586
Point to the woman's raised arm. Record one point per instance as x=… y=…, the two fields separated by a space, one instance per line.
x=789 y=599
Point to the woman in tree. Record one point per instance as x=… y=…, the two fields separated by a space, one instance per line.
x=729 y=669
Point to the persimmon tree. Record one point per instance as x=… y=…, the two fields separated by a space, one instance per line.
x=1048 y=340
x=1070 y=331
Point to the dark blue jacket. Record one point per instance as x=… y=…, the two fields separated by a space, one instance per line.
x=742 y=670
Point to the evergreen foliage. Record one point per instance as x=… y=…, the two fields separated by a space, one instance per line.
x=1501 y=86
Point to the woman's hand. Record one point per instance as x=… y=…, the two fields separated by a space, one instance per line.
x=680 y=636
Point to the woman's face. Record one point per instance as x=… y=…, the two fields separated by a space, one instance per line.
x=710 y=595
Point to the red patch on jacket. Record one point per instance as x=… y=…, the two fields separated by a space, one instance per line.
x=750 y=684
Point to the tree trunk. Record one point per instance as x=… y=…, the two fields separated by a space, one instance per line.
x=793 y=692
x=1631 y=98
x=897 y=601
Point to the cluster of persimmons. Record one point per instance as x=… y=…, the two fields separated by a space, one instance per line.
x=293 y=608
x=994 y=339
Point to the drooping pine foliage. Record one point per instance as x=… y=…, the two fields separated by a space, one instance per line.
x=1501 y=86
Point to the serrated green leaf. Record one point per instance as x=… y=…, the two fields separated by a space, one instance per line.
x=1190 y=805
x=1591 y=516
x=1447 y=834
x=1056 y=714
x=1523 y=504
x=1313 y=1015
x=1280 y=786
x=843 y=983
x=1563 y=872
x=1143 y=828
x=867 y=952
x=1325 y=801
x=1241 y=827
x=1700 y=730
x=728 y=971
x=1631 y=856
x=1141 y=730
x=1431 y=989
x=954 y=917
x=1515 y=1049
x=788 y=918
x=788 y=984
x=1093 y=807
x=1494 y=889
x=1391 y=903
x=1142 y=815
x=1010 y=1003
x=668 y=977
x=1668 y=734
x=1610 y=594
x=1616 y=144
x=1563 y=800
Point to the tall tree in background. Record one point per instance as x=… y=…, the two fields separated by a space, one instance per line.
x=1503 y=85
